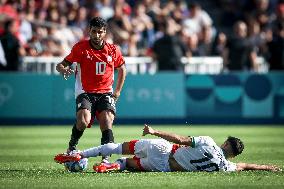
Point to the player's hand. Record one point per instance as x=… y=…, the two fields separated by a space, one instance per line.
x=64 y=69
x=115 y=96
x=148 y=130
x=66 y=72
x=274 y=168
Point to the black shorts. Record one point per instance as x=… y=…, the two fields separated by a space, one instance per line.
x=95 y=102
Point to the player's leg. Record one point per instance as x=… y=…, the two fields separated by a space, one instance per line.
x=105 y=119
x=105 y=114
x=132 y=164
x=121 y=164
x=126 y=148
x=83 y=118
x=139 y=148
x=108 y=149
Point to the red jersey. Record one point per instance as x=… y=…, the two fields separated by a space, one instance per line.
x=94 y=68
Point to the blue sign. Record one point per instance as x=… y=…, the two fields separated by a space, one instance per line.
x=169 y=95
x=153 y=96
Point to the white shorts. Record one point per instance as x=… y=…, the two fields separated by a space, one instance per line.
x=153 y=154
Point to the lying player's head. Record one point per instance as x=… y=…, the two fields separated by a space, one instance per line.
x=97 y=30
x=236 y=145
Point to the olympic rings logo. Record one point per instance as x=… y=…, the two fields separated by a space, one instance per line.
x=6 y=91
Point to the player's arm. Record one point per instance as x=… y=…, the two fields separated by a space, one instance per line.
x=121 y=75
x=248 y=166
x=171 y=137
x=64 y=68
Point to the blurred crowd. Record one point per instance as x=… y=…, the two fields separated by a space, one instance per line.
x=244 y=30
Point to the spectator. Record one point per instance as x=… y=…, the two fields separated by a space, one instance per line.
x=3 y=61
x=239 y=53
x=81 y=19
x=276 y=49
x=8 y=10
x=231 y=12
x=275 y=42
x=169 y=49
x=197 y=19
x=153 y=10
x=261 y=12
x=11 y=46
x=132 y=45
x=180 y=12
x=256 y=37
x=219 y=44
x=143 y=26
x=25 y=30
x=105 y=8
x=67 y=36
x=192 y=44
x=205 y=41
x=119 y=25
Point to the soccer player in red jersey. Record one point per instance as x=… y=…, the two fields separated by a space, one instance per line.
x=95 y=62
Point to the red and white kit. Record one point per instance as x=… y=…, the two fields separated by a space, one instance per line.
x=203 y=155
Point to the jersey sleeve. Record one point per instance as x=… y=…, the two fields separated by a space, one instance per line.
x=201 y=141
x=74 y=55
x=231 y=166
x=119 y=59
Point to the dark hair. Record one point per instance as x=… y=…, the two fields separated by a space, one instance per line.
x=193 y=5
x=8 y=24
x=98 y=22
x=236 y=144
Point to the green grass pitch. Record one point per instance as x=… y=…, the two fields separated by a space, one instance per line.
x=26 y=159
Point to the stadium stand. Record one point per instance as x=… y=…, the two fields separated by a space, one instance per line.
x=51 y=28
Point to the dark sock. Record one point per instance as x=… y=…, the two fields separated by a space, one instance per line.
x=107 y=137
x=75 y=136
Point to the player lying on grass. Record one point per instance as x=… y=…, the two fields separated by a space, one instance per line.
x=187 y=153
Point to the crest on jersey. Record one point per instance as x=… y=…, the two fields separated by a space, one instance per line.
x=109 y=58
x=89 y=56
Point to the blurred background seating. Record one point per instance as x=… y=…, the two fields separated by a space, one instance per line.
x=47 y=30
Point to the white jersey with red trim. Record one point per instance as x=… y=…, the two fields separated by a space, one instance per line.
x=203 y=155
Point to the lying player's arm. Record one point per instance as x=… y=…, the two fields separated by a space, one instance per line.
x=171 y=137
x=64 y=68
x=248 y=166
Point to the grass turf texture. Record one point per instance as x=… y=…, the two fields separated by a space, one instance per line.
x=26 y=159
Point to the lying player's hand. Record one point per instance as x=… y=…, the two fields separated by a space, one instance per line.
x=148 y=130
x=274 y=168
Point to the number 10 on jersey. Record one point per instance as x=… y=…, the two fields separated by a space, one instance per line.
x=100 y=68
